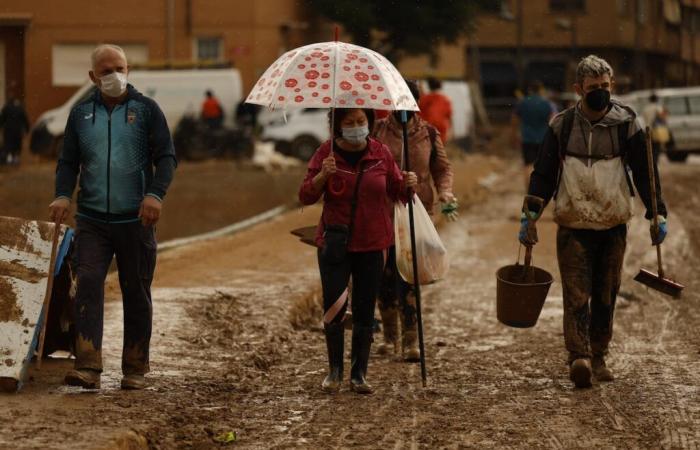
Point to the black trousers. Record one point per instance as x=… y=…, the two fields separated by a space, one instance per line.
x=366 y=271
x=395 y=292
x=590 y=263
x=134 y=246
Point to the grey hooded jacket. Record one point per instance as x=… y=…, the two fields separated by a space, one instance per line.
x=593 y=152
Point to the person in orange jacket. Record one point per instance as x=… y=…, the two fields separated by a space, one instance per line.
x=212 y=112
x=436 y=108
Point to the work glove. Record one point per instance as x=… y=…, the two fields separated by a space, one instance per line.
x=528 y=231
x=658 y=236
x=449 y=209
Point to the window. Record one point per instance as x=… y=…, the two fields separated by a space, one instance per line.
x=209 y=48
x=676 y=106
x=694 y=104
x=567 y=5
x=70 y=63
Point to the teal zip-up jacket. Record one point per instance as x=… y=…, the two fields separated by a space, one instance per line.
x=121 y=156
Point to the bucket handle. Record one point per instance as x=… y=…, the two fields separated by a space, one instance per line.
x=528 y=255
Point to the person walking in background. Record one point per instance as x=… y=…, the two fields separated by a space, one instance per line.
x=431 y=165
x=114 y=139
x=529 y=124
x=212 y=112
x=655 y=117
x=436 y=108
x=14 y=124
x=583 y=164
x=354 y=177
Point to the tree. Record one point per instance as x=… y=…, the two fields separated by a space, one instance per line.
x=397 y=28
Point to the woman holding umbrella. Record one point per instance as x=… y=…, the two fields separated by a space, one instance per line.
x=354 y=174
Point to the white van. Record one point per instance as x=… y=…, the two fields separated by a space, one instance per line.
x=299 y=132
x=178 y=92
x=683 y=106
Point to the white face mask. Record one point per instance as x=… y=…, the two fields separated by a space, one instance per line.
x=356 y=135
x=114 y=84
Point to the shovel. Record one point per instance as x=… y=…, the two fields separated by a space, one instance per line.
x=656 y=281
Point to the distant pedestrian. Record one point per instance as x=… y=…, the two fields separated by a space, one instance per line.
x=212 y=111
x=118 y=143
x=529 y=124
x=429 y=161
x=15 y=124
x=583 y=165
x=436 y=108
x=353 y=234
x=655 y=117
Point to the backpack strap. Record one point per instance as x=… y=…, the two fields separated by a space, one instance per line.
x=564 y=134
x=623 y=143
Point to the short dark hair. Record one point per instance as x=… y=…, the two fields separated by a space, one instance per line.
x=209 y=93
x=535 y=86
x=413 y=87
x=434 y=84
x=653 y=98
x=340 y=114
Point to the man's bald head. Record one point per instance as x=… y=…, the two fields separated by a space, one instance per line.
x=106 y=51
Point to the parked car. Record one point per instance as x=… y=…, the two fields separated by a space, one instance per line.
x=683 y=106
x=299 y=132
x=179 y=93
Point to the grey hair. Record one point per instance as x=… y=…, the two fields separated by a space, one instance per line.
x=592 y=66
x=100 y=49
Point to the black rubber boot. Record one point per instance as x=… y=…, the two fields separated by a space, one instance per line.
x=335 y=339
x=361 y=343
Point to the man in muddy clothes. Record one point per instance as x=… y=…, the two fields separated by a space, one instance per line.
x=118 y=141
x=583 y=163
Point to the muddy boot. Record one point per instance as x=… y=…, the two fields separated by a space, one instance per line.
x=133 y=382
x=84 y=378
x=390 y=327
x=600 y=370
x=580 y=373
x=335 y=336
x=409 y=346
x=361 y=342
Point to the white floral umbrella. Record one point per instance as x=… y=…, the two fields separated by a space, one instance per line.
x=332 y=75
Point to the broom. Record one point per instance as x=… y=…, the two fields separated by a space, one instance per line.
x=656 y=281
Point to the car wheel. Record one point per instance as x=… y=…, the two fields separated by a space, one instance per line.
x=304 y=147
x=677 y=156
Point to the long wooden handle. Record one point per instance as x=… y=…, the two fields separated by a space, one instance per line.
x=654 y=207
x=47 y=295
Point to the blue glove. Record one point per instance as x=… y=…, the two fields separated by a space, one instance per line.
x=528 y=232
x=658 y=237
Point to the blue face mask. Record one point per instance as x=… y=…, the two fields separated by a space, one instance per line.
x=356 y=135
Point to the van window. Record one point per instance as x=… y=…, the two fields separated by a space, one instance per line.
x=676 y=106
x=694 y=104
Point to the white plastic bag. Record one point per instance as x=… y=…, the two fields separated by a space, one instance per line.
x=433 y=261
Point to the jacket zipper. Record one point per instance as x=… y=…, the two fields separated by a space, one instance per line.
x=109 y=159
x=590 y=146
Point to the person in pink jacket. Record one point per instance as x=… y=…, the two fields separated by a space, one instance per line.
x=354 y=176
x=429 y=161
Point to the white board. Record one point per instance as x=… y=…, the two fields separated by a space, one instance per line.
x=25 y=253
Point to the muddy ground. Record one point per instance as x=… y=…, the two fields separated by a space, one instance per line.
x=237 y=347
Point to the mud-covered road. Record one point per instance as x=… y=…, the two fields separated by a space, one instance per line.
x=237 y=347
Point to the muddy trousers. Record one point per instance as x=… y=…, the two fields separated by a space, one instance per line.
x=134 y=246
x=396 y=294
x=590 y=263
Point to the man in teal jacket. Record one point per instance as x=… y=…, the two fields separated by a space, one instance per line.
x=118 y=142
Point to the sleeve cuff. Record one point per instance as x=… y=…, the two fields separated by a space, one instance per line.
x=64 y=196
x=157 y=197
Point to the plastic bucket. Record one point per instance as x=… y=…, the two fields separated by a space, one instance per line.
x=519 y=298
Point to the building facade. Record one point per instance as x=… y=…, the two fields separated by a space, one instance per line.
x=649 y=43
x=45 y=45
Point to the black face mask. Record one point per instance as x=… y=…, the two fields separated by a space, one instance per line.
x=598 y=99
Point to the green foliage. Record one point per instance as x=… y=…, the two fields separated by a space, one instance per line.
x=403 y=27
